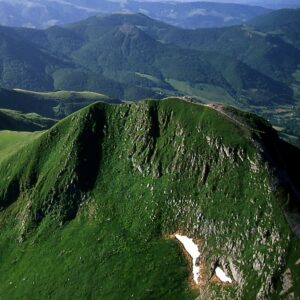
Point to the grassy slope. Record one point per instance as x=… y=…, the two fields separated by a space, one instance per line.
x=48 y=104
x=12 y=141
x=91 y=211
x=15 y=120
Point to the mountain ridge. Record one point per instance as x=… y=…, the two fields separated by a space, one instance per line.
x=239 y=65
x=43 y=14
x=93 y=66
x=74 y=178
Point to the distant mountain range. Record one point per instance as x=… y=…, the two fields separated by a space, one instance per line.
x=44 y=13
x=273 y=4
x=254 y=66
x=132 y=57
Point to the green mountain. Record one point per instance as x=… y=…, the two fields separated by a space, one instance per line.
x=131 y=57
x=269 y=45
x=284 y=23
x=28 y=66
x=46 y=13
x=121 y=55
x=22 y=64
x=89 y=208
x=197 y=14
x=265 y=52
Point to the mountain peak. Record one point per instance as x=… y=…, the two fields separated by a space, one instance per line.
x=119 y=181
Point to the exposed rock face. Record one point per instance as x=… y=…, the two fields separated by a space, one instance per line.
x=260 y=228
x=197 y=171
x=287 y=283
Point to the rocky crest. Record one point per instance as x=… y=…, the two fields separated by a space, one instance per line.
x=185 y=167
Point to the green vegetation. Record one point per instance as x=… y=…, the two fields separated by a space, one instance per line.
x=202 y=92
x=284 y=23
x=14 y=120
x=131 y=57
x=12 y=141
x=296 y=84
x=89 y=205
x=109 y=53
x=55 y=105
x=48 y=13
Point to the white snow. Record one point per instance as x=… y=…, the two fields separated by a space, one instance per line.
x=193 y=251
x=222 y=276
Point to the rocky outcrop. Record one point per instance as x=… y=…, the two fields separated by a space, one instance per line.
x=187 y=168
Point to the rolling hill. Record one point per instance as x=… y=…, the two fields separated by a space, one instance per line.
x=265 y=52
x=55 y=105
x=89 y=208
x=17 y=121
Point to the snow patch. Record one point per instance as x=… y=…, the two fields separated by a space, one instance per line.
x=222 y=276
x=193 y=251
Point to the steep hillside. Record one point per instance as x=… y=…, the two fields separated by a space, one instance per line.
x=22 y=65
x=264 y=52
x=285 y=23
x=90 y=206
